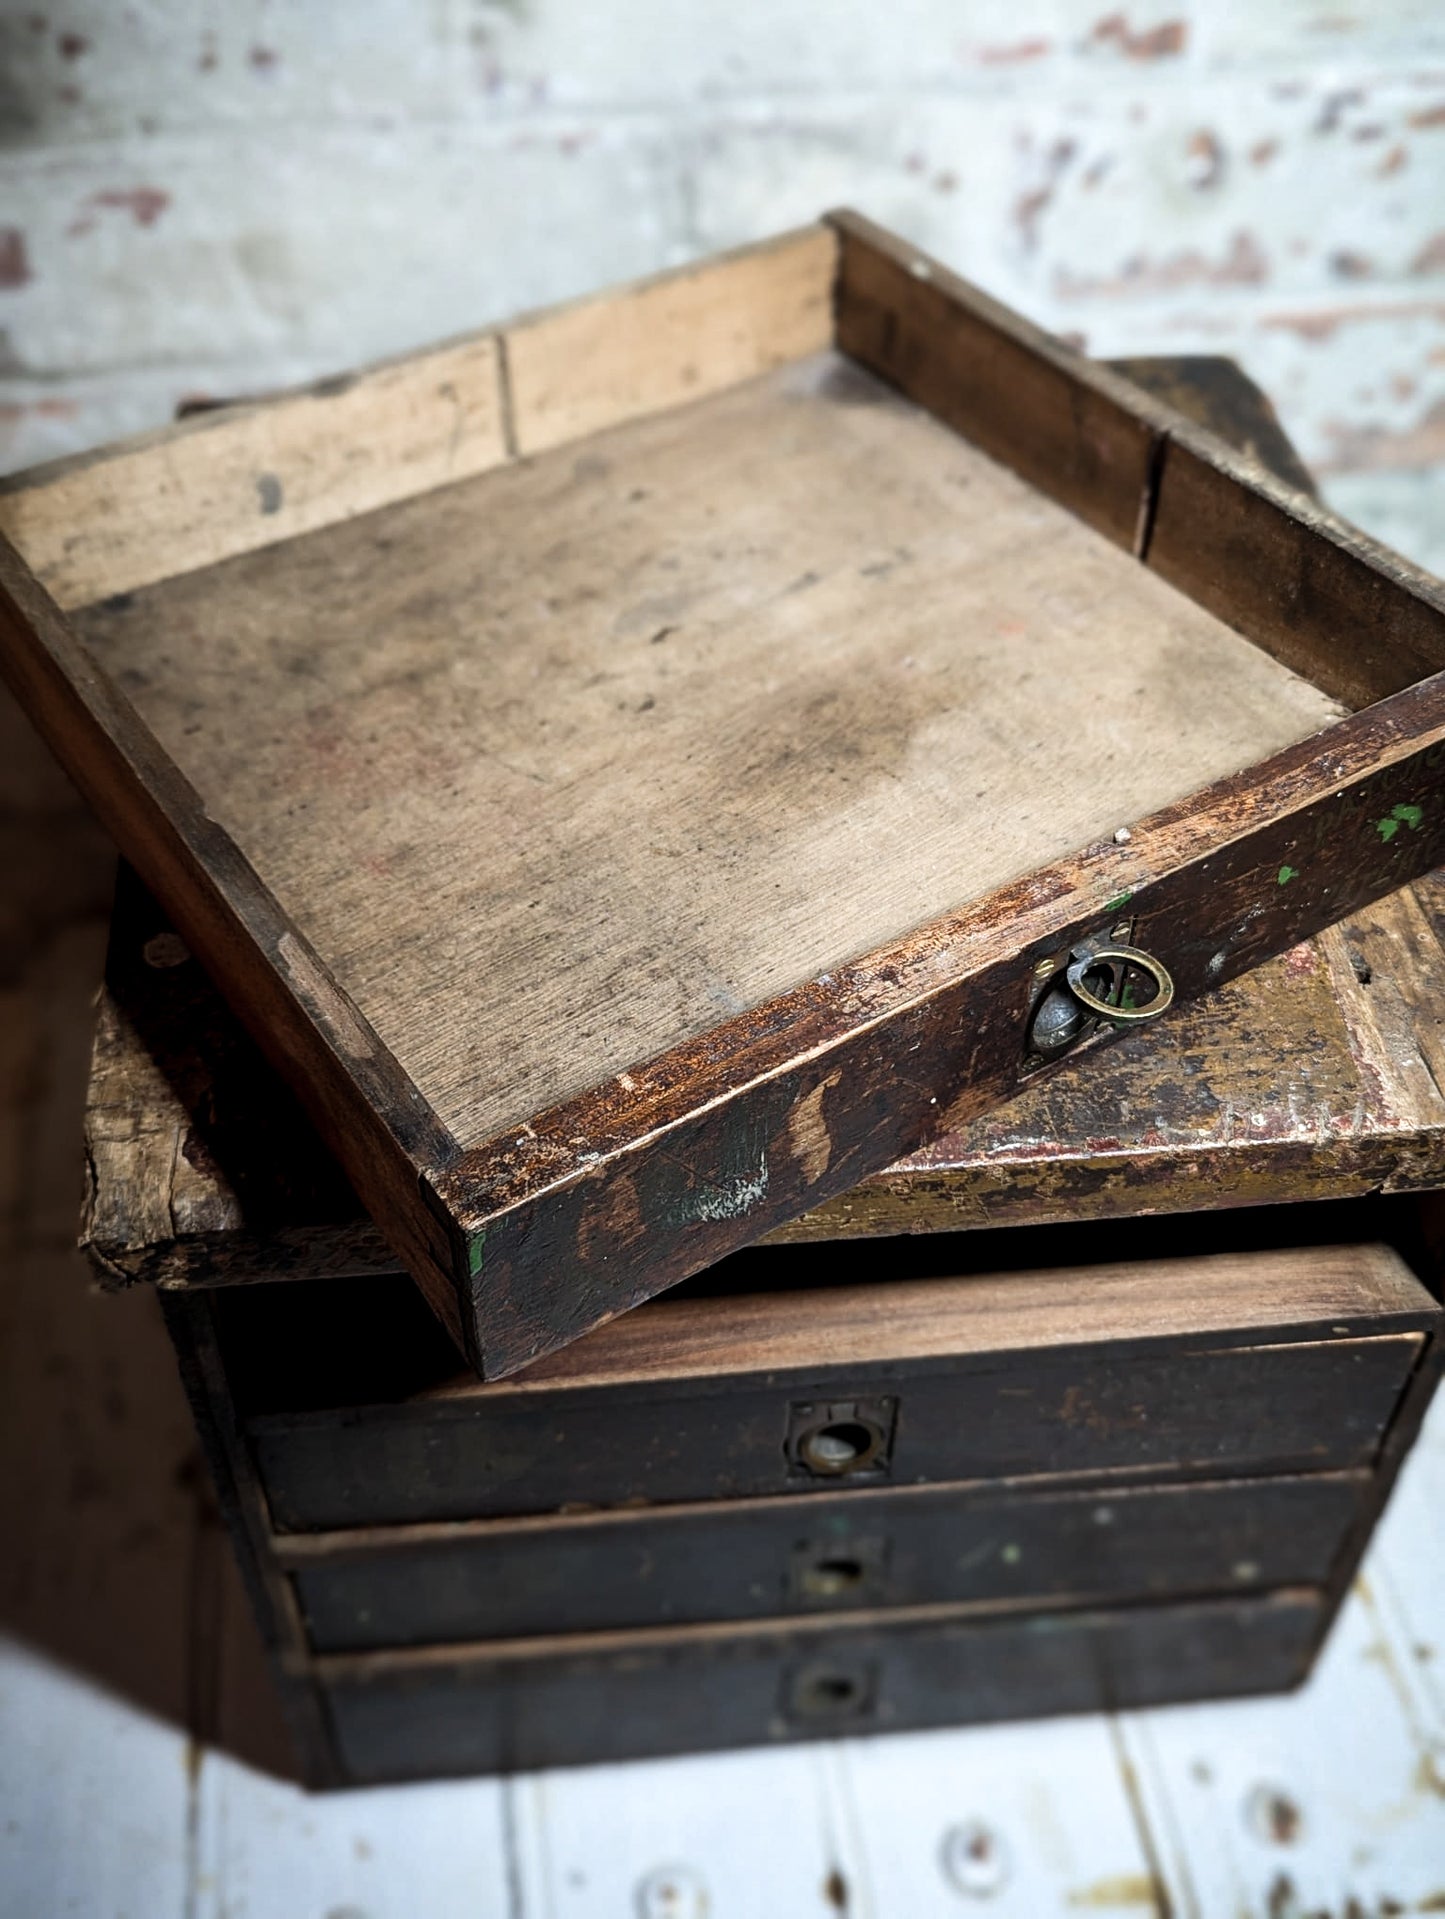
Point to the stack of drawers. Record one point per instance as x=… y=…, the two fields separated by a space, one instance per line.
x=831 y=1486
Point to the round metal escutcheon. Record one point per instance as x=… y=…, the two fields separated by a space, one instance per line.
x=1118 y=960
x=841 y=1446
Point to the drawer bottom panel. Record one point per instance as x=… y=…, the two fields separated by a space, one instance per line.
x=583 y=1700
x=757 y=1559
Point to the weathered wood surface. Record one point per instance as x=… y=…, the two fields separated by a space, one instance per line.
x=755 y=1559
x=1266 y=1362
x=695 y=1119
x=1313 y=1077
x=649 y=735
x=513 y=1705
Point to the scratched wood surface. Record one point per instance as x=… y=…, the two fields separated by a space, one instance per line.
x=795 y=669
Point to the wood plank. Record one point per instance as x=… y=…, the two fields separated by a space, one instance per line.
x=228 y=916
x=1020 y=1822
x=1324 y=598
x=70 y=1842
x=751 y=1559
x=669 y=340
x=263 y=1847
x=246 y=477
x=1070 y=427
x=661 y=1841
x=514 y=1705
x=1327 y=1801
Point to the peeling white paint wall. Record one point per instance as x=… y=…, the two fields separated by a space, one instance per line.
x=198 y=198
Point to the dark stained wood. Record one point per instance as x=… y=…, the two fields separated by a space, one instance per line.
x=1265 y=1363
x=1217 y=884
x=1320 y=595
x=272 y=1598
x=752 y=1559
x=1071 y=427
x=613 y=1194
x=518 y=1705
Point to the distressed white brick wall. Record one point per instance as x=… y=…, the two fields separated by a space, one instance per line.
x=219 y=196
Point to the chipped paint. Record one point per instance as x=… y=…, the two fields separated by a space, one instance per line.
x=1286 y=874
x=1398 y=816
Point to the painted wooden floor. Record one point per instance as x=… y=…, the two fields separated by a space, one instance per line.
x=139 y=1748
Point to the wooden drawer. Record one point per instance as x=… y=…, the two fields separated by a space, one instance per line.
x=549 y=1702
x=1257 y=1363
x=751 y=1559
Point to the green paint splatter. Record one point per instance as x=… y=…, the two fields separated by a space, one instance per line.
x=474 y=1253
x=1119 y=899
x=1288 y=873
x=1402 y=815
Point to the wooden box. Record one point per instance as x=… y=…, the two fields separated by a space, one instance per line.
x=641 y=770
x=828 y=1487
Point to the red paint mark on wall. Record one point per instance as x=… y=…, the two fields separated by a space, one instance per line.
x=1163 y=42
x=1429 y=116
x=14 y=260
x=1325 y=322
x=145 y=204
x=264 y=59
x=1431 y=256
x=1367 y=447
x=1014 y=54
x=72 y=45
x=1245 y=264
x=1263 y=151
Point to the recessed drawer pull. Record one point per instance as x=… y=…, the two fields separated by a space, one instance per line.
x=1114 y=1002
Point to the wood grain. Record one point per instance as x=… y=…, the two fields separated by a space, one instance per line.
x=233 y=480
x=837 y=676
x=668 y=341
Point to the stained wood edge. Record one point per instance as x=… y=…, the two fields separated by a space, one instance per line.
x=1260 y=551
x=239 y=477
x=1277 y=565
x=1205 y=1302
x=1078 y=432
x=685 y=1158
x=659 y=1641
x=368 y=1545
x=362 y=1104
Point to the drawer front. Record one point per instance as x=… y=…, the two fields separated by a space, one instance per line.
x=761 y=1558
x=623 y=1696
x=1309 y=1406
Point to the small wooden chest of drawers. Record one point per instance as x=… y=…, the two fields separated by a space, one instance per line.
x=759 y=1515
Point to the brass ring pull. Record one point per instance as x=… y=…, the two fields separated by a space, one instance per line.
x=1117 y=960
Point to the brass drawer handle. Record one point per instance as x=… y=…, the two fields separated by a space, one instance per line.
x=1118 y=961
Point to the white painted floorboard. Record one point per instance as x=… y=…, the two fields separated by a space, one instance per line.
x=1329 y=1804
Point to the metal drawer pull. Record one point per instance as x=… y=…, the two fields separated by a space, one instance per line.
x=1118 y=961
